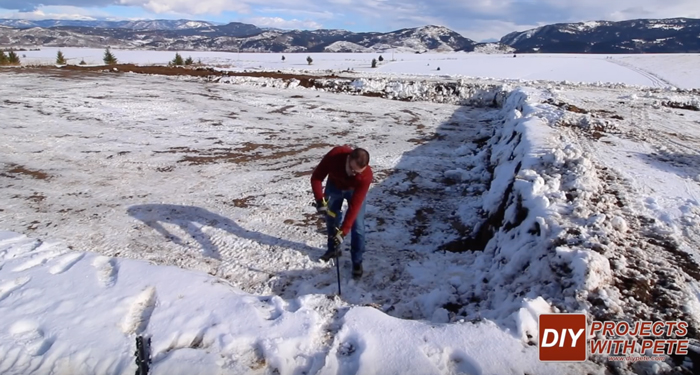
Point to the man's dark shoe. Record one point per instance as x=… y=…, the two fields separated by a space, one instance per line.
x=330 y=254
x=357 y=270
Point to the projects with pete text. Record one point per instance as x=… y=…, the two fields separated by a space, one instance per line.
x=566 y=338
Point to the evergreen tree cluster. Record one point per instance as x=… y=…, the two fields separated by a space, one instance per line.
x=9 y=58
x=178 y=60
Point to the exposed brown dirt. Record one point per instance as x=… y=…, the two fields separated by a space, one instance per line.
x=282 y=110
x=303 y=173
x=75 y=70
x=240 y=155
x=21 y=170
x=312 y=219
x=243 y=202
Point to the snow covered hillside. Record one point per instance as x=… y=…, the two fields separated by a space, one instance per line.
x=494 y=202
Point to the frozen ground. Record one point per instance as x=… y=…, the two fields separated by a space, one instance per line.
x=602 y=217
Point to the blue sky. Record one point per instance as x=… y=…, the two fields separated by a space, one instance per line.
x=475 y=19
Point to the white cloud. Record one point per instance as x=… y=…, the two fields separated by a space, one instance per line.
x=57 y=12
x=200 y=7
x=281 y=23
x=321 y=15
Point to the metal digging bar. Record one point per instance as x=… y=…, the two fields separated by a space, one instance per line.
x=143 y=355
x=337 y=263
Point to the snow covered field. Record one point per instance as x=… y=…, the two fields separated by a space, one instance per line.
x=642 y=70
x=178 y=208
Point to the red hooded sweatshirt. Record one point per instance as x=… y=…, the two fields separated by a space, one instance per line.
x=333 y=166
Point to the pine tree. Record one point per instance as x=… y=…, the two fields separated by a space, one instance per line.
x=60 y=59
x=283 y=57
x=309 y=60
x=374 y=63
x=3 y=58
x=177 y=61
x=13 y=58
x=109 y=57
x=381 y=58
x=82 y=62
x=189 y=61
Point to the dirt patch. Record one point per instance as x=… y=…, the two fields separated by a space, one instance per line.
x=16 y=170
x=303 y=173
x=343 y=133
x=427 y=138
x=310 y=220
x=594 y=131
x=244 y=154
x=335 y=110
x=420 y=223
x=211 y=122
x=282 y=110
x=594 y=112
x=36 y=198
x=414 y=117
x=243 y=202
x=33 y=225
x=566 y=106
x=171 y=71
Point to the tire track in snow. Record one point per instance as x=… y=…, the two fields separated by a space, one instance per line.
x=655 y=80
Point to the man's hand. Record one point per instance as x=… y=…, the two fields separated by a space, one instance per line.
x=338 y=238
x=321 y=206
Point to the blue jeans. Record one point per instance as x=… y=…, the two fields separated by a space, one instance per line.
x=335 y=199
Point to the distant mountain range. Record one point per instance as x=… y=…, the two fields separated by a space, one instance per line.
x=677 y=35
x=193 y=35
x=134 y=25
x=674 y=35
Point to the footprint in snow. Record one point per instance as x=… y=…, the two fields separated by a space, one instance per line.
x=39 y=259
x=107 y=270
x=453 y=362
x=461 y=363
x=66 y=263
x=28 y=335
x=8 y=287
x=275 y=306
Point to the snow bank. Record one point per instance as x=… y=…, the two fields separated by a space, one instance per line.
x=461 y=92
x=524 y=270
